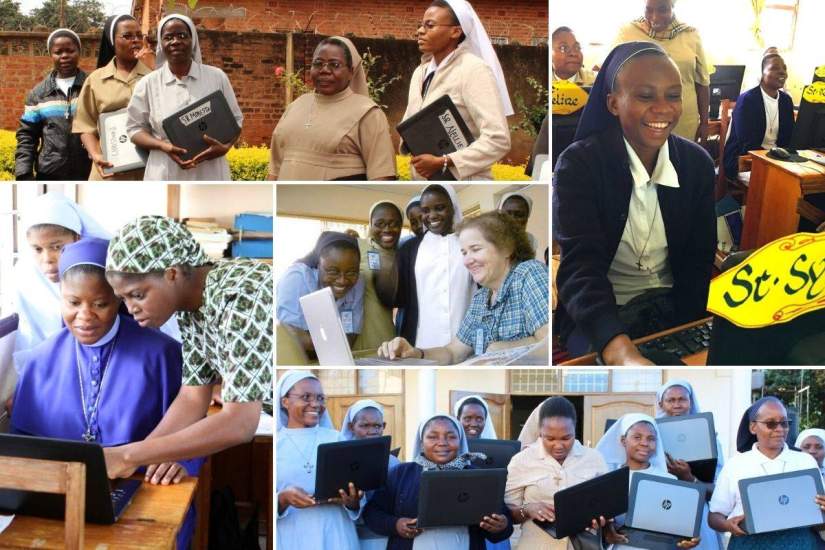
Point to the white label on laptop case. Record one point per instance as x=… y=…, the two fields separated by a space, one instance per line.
x=196 y=114
x=453 y=131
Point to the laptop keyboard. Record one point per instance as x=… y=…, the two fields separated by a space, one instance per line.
x=122 y=494
x=686 y=342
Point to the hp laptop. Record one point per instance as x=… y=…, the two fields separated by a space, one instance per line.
x=104 y=503
x=459 y=497
x=577 y=506
x=662 y=511
x=691 y=438
x=328 y=334
x=209 y=115
x=363 y=462
x=437 y=129
x=781 y=501
x=498 y=451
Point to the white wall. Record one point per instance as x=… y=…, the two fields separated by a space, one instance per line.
x=113 y=204
x=224 y=201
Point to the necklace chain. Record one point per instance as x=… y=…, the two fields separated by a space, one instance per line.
x=641 y=254
x=89 y=414
x=308 y=465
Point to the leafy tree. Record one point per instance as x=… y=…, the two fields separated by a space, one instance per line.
x=11 y=18
x=786 y=383
x=79 y=15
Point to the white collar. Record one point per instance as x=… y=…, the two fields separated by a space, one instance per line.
x=767 y=98
x=433 y=67
x=663 y=174
x=106 y=337
x=761 y=458
x=170 y=78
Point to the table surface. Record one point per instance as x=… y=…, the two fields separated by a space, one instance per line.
x=151 y=520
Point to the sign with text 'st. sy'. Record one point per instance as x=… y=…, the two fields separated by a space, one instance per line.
x=568 y=97
x=779 y=282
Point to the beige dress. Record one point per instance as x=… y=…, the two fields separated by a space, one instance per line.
x=332 y=137
x=105 y=91
x=377 y=326
x=535 y=476
x=686 y=51
x=470 y=84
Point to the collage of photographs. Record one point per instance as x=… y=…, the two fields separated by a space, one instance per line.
x=581 y=308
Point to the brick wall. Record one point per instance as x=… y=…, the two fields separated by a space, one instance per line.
x=521 y=21
x=249 y=59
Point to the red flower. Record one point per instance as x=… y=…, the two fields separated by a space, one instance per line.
x=279 y=71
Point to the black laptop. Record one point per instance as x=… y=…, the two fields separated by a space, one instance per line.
x=105 y=502
x=363 y=462
x=577 y=506
x=437 y=129
x=459 y=497
x=691 y=438
x=209 y=115
x=498 y=451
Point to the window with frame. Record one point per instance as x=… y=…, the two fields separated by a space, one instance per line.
x=583 y=381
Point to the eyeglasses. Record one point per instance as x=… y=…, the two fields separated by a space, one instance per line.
x=430 y=25
x=773 y=424
x=317 y=64
x=169 y=37
x=381 y=224
x=565 y=49
x=320 y=399
x=131 y=37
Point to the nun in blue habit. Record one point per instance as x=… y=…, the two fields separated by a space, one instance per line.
x=101 y=378
x=633 y=211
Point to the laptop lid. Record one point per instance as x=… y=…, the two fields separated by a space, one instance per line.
x=209 y=115
x=691 y=438
x=498 y=451
x=459 y=497
x=576 y=506
x=325 y=328
x=98 y=497
x=363 y=462
x=781 y=501
x=665 y=505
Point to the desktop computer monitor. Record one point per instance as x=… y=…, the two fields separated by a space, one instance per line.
x=725 y=83
x=809 y=129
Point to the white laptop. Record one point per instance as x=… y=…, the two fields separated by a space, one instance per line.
x=781 y=501
x=691 y=438
x=662 y=511
x=329 y=338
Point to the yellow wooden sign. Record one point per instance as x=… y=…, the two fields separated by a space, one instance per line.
x=568 y=97
x=820 y=71
x=779 y=282
x=815 y=93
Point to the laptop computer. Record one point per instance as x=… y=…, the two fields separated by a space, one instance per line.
x=662 y=511
x=363 y=462
x=578 y=505
x=498 y=451
x=437 y=129
x=115 y=144
x=459 y=497
x=691 y=438
x=781 y=501
x=209 y=115
x=329 y=338
x=104 y=502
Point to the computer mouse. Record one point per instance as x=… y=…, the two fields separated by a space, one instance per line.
x=780 y=153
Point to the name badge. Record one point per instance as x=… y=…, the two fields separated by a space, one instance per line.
x=346 y=320
x=374 y=260
x=479 y=347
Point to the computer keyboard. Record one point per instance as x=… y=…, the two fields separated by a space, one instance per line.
x=686 y=342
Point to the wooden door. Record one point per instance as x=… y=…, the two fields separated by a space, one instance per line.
x=599 y=408
x=393 y=413
x=499 y=405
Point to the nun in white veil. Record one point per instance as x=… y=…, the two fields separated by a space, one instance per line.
x=459 y=61
x=302 y=424
x=175 y=83
x=488 y=431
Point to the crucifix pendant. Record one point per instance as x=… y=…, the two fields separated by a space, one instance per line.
x=308 y=125
x=88 y=437
x=639 y=265
x=308 y=467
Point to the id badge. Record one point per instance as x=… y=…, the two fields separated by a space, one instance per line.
x=346 y=320
x=374 y=260
x=479 y=347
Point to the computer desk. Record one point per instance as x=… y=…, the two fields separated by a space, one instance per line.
x=151 y=520
x=773 y=193
x=697 y=359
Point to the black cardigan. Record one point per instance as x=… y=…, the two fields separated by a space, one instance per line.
x=591 y=196
x=406 y=296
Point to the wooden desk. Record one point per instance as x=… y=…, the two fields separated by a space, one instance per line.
x=152 y=520
x=697 y=359
x=774 y=191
